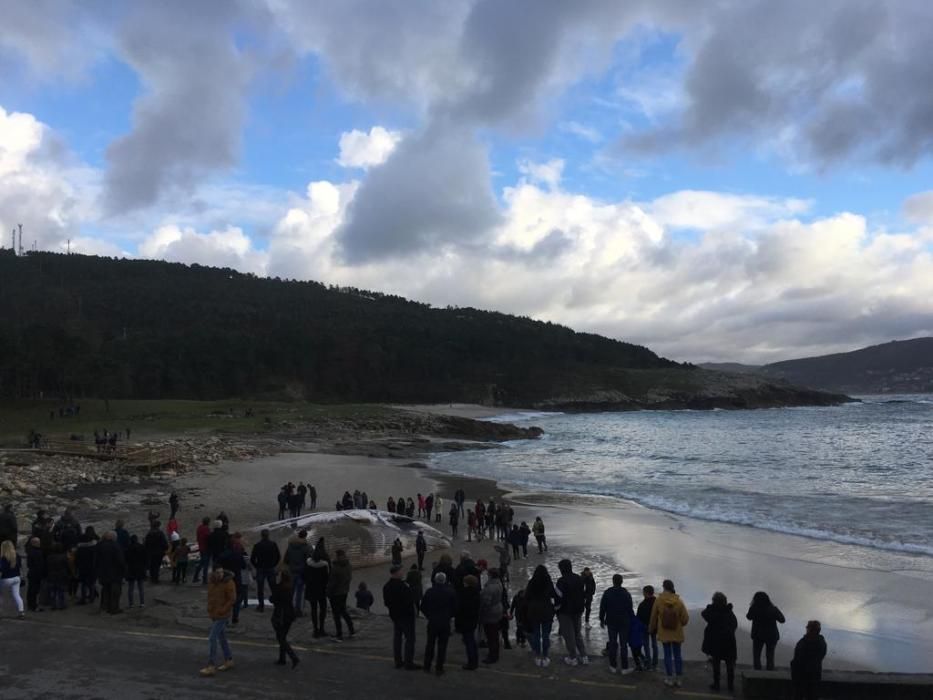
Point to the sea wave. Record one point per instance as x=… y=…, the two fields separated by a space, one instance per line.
x=520 y=416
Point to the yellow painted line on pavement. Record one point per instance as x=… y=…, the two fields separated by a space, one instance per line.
x=598 y=684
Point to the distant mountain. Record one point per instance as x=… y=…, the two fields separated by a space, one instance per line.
x=898 y=367
x=82 y=326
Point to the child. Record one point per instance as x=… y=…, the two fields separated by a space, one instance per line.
x=180 y=560
x=650 y=644
x=518 y=610
x=364 y=598
x=636 y=641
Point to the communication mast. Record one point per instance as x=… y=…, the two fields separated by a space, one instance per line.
x=20 y=239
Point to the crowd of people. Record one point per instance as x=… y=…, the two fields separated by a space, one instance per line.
x=65 y=564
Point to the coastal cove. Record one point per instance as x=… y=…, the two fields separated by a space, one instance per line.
x=873 y=600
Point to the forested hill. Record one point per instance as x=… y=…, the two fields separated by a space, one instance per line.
x=901 y=366
x=79 y=326
x=76 y=325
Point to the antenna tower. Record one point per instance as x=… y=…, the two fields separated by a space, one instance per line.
x=20 y=238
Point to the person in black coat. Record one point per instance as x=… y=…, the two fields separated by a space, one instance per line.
x=35 y=573
x=765 y=617
x=217 y=543
x=438 y=605
x=719 y=638
x=806 y=668
x=400 y=602
x=264 y=558
x=136 y=565
x=156 y=544
x=616 y=611
x=467 y=619
x=111 y=568
x=283 y=616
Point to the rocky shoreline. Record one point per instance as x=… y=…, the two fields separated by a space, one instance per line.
x=33 y=480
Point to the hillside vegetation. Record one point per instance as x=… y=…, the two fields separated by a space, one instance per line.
x=81 y=326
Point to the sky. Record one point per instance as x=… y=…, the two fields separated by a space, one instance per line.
x=733 y=180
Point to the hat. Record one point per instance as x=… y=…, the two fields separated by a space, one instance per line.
x=395 y=568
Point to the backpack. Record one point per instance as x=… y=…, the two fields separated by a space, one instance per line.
x=670 y=620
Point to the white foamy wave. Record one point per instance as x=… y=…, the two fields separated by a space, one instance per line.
x=702 y=513
x=521 y=416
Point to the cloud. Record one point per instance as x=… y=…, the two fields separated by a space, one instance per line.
x=433 y=192
x=229 y=247
x=587 y=133
x=847 y=81
x=548 y=173
x=706 y=211
x=359 y=149
x=918 y=208
x=41 y=186
x=188 y=122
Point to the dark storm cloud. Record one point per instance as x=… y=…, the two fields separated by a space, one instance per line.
x=834 y=80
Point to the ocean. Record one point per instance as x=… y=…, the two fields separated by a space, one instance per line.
x=859 y=474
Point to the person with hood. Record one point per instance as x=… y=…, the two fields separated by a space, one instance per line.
x=84 y=564
x=135 y=570
x=397 y=552
x=364 y=597
x=67 y=530
x=466 y=619
x=540 y=598
x=668 y=619
x=398 y=599
x=490 y=614
x=283 y=615
x=36 y=572
x=650 y=641
x=765 y=617
x=519 y=611
x=111 y=568
x=296 y=557
x=264 y=558
x=10 y=574
x=466 y=567
x=421 y=548
x=570 y=607
x=413 y=579
x=221 y=597
x=390 y=505
x=156 y=544
x=338 y=588
x=429 y=506
x=719 y=639
x=438 y=605
x=316 y=575
x=806 y=668
x=538 y=530
x=616 y=612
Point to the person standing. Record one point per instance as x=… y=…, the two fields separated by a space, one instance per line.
x=668 y=619
x=10 y=574
x=413 y=579
x=525 y=532
x=398 y=599
x=35 y=573
x=111 y=568
x=302 y=496
x=338 y=588
x=650 y=640
x=9 y=526
x=283 y=615
x=616 y=611
x=570 y=600
x=589 y=592
x=397 y=552
x=203 y=534
x=765 y=617
x=467 y=619
x=490 y=614
x=316 y=575
x=806 y=668
x=136 y=571
x=282 y=500
x=438 y=605
x=421 y=548
x=538 y=530
x=264 y=558
x=312 y=497
x=173 y=505
x=438 y=509
x=221 y=596
x=719 y=639
x=454 y=520
x=539 y=604
x=296 y=556
x=156 y=545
